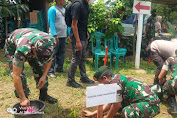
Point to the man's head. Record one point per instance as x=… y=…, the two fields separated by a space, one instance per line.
x=176 y=51
x=60 y=2
x=153 y=12
x=103 y=75
x=44 y=49
x=159 y=18
x=88 y=1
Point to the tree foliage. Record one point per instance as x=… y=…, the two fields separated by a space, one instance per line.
x=8 y=9
x=171 y=30
x=54 y=2
x=101 y=17
x=168 y=12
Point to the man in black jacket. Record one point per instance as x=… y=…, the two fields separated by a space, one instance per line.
x=79 y=36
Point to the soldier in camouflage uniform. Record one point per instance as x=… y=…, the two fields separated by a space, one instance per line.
x=170 y=87
x=134 y=98
x=36 y=47
x=150 y=33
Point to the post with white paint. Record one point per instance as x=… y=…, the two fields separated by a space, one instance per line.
x=140 y=7
x=138 y=42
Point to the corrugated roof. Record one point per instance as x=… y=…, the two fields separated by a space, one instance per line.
x=167 y=2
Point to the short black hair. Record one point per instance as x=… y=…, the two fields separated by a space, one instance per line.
x=107 y=73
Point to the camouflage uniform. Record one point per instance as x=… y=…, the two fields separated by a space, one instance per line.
x=170 y=85
x=136 y=98
x=18 y=50
x=151 y=30
x=149 y=36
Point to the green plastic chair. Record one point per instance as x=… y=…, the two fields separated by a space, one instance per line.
x=116 y=51
x=96 y=51
x=11 y=26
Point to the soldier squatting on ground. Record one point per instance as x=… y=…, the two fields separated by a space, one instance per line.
x=135 y=99
x=169 y=88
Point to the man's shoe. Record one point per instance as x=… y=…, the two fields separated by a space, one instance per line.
x=52 y=75
x=49 y=99
x=86 y=80
x=172 y=105
x=60 y=71
x=45 y=97
x=74 y=84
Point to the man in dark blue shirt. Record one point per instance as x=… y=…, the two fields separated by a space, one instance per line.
x=79 y=36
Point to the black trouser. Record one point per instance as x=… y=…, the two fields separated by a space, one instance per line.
x=78 y=59
x=158 y=61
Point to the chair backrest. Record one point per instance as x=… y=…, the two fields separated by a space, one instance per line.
x=113 y=43
x=97 y=36
x=115 y=40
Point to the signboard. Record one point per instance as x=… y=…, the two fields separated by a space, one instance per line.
x=99 y=95
x=142 y=7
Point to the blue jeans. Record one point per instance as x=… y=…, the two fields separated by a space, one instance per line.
x=58 y=57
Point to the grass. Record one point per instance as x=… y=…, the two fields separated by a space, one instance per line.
x=69 y=99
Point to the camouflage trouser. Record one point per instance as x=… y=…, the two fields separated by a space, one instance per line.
x=170 y=86
x=140 y=110
x=37 y=68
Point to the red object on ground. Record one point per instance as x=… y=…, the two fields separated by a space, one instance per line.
x=149 y=60
x=106 y=54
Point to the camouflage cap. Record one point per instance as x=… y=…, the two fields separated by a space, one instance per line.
x=99 y=72
x=44 y=49
x=153 y=11
x=176 y=51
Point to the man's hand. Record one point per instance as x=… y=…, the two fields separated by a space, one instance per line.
x=78 y=45
x=88 y=113
x=41 y=82
x=69 y=39
x=56 y=38
x=24 y=102
x=161 y=81
x=88 y=35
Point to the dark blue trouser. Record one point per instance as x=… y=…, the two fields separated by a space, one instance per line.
x=78 y=59
x=58 y=57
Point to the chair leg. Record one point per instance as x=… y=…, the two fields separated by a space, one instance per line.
x=111 y=61
x=96 y=62
x=124 y=59
x=117 y=62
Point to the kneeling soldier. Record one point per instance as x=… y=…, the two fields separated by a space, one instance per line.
x=134 y=98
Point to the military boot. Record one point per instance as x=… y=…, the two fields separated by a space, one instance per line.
x=45 y=97
x=172 y=105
